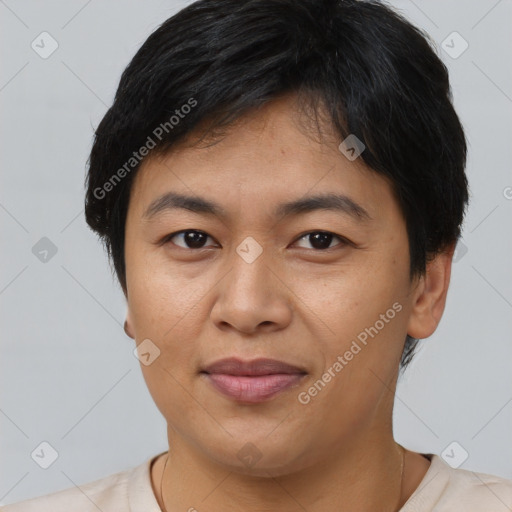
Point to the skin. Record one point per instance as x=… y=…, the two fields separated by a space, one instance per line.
x=295 y=303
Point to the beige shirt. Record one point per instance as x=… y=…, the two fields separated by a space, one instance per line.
x=442 y=489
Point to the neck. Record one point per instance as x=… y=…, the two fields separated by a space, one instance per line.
x=366 y=476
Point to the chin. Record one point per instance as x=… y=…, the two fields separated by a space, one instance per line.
x=261 y=457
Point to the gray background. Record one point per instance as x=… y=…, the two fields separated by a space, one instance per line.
x=68 y=374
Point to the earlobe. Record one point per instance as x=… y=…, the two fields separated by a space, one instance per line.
x=430 y=296
x=127 y=328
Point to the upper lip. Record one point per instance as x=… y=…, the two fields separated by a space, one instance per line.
x=255 y=367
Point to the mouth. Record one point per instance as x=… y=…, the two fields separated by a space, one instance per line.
x=253 y=381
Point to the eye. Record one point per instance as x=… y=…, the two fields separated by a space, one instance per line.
x=195 y=239
x=321 y=240
x=191 y=238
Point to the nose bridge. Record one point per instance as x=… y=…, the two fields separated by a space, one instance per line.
x=250 y=277
x=250 y=294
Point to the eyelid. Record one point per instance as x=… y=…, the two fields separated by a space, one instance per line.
x=344 y=241
x=167 y=238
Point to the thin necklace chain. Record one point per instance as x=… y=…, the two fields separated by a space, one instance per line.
x=162 y=482
x=394 y=510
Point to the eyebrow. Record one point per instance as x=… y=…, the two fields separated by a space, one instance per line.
x=197 y=204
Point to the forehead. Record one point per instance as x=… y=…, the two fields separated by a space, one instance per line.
x=269 y=157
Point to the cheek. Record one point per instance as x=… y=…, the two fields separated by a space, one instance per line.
x=165 y=309
x=365 y=315
x=161 y=296
x=360 y=351
x=348 y=299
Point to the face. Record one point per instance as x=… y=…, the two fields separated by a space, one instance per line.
x=322 y=292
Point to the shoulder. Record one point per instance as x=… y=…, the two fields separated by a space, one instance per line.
x=105 y=493
x=113 y=493
x=444 y=489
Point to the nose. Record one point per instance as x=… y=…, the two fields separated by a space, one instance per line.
x=252 y=297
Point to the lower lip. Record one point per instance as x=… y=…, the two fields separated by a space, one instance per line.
x=253 y=389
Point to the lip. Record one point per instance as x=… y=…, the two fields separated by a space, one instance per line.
x=252 y=381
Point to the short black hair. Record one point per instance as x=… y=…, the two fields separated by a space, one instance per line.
x=362 y=63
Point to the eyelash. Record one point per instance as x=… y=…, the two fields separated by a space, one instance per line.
x=343 y=240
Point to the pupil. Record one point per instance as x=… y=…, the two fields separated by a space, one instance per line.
x=320 y=240
x=193 y=239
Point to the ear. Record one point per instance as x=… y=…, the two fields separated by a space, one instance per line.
x=429 y=295
x=127 y=326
